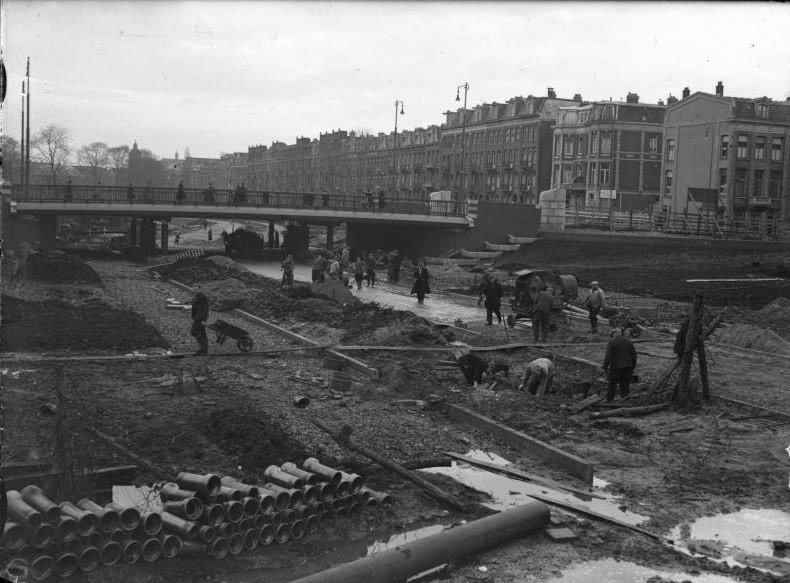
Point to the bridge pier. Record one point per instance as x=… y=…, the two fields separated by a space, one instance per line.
x=133 y=231
x=330 y=237
x=163 y=237
x=296 y=238
x=148 y=235
x=18 y=229
x=271 y=234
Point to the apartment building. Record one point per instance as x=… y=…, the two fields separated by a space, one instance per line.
x=727 y=156
x=607 y=154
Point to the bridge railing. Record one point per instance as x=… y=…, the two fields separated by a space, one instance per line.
x=259 y=199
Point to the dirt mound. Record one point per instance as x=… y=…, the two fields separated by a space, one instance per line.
x=57 y=267
x=192 y=270
x=754 y=338
x=334 y=289
x=228 y=294
x=59 y=325
x=227 y=263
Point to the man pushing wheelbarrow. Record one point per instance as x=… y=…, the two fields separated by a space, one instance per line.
x=200 y=310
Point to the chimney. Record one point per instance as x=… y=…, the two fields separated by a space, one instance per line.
x=661 y=102
x=632 y=98
x=686 y=92
x=577 y=97
x=552 y=94
x=671 y=99
x=720 y=89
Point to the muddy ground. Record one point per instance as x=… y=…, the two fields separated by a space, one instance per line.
x=672 y=466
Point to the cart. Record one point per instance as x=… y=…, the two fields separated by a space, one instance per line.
x=529 y=283
x=624 y=319
x=225 y=330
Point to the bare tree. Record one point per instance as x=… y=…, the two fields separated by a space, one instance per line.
x=96 y=155
x=11 y=156
x=119 y=156
x=51 y=146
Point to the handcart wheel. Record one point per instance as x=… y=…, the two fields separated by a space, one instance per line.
x=635 y=331
x=511 y=320
x=245 y=344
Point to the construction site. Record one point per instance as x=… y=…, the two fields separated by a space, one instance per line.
x=335 y=439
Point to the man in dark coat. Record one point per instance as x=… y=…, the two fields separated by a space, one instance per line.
x=421 y=285
x=180 y=196
x=473 y=367
x=540 y=318
x=200 y=311
x=619 y=364
x=493 y=293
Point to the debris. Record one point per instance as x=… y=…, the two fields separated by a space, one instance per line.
x=585 y=404
x=629 y=411
x=561 y=534
x=159 y=472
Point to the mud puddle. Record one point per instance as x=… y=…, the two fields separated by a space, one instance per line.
x=612 y=571
x=508 y=492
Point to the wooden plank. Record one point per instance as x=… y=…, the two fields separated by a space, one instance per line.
x=585 y=403
x=99 y=478
x=573 y=464
x=522 y=475
x=629 y=411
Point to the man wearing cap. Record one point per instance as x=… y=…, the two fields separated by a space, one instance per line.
x=619 y=364
x=594 y=303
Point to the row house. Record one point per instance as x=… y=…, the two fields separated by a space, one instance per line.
x=607 y=154
x=417 y=163
x=501 y=152
x=727 y=156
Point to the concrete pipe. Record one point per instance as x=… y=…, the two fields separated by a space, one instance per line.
x=218 y=548
x=17 y=569
x=310 y=493
x=176 y=525
x=35 y=498
x=380 y=497
x=251 y=538
x=251 y=506
x=342 y=489
x=363 y=496
x=171 y=546
x=311 y=524
x=22 y=512
x=213 y=514
x=297 y=529
x=190 y=508
x=303 y=511
x=41 y=567
x=208 y=484
x=206 y=533
x=129 y=516
x=282 y=533
x=245 y=489
x=407 y=560
x=171 y=491
x=313 y=465
x=88 y=559
x=327 y=490
x=94 y=539
x=282 y=499
x=152 y=549
x=27 y=552
x=235 y=543
x=65 y=528
x=354 y=506
x=66 y=564
x=281 y=478
x=119 y=535
x=266 y=535
x=131 y=551
x=150 y=525
x=72 y=546
x=326 y=515
x=41 y=536
x=341 y=511
x=225 y=529
x=227 y=494
x=243 y=525
x=192 y=548
x=234 y=511
x=267 y=501
x=276 y=518
x=294 y=496
x=294 y=470
x=110 y=553
x=87 y=522
x=355 y=481
x=301 y=402
x=13 y=535
x=259 y=521
x=289 y=515
x=109 y=520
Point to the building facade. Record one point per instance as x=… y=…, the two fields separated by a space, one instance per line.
x=727 y=156
x=607 y=154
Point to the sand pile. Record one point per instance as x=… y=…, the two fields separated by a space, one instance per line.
x=57 y=267
x=754 y=338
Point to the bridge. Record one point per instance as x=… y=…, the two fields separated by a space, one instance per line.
x=147 y=205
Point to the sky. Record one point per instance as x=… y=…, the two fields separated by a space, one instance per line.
x=220 y=76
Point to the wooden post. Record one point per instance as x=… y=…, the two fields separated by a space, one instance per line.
x=692 y=336
x=703 y=369
x=63 y=448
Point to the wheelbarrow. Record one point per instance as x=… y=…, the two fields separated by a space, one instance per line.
x=225 y=330
x=625 y=320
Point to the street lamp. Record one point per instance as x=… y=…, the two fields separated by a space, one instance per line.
x=463 y=132
x=395 y=148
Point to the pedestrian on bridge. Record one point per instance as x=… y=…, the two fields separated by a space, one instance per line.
x=130 y=193
x=208 y=194
x=180 y=196
x=68 y=196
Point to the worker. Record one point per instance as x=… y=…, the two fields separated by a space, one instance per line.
x=288 y=271
x=538 y=377
x=334 y=267
x=393 y=272
x=359 y=271
x=200 y=312
x=483 y=286
x=319 y=266
x=493 y=294
x=474 y=366
x=594 y=304
x=370 y=271
x=177 y=238
x=421 y=285
x=542 y=313
x=619 y=364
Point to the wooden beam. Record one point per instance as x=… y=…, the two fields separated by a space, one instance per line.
x=140 y=461
x=628 y=411
x=573 y=464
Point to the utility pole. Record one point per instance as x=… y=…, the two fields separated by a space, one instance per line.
x=395 y=149
x=22 y=145
x=27 y=144
x=463 y=134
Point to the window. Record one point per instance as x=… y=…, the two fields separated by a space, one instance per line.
x=776 y=149
x=652 y=144
x=557 y=143
x=668 y=176
x=567 y=145
x=739 y=188
x=594 y=142
x=722 y=181
x=670 y=150
x=606 y=143
x=725 y=147
x=759 y=183
x=762 y=110
x=604 y=175
x=743 y=147
x=759 y=148
x=775 y=184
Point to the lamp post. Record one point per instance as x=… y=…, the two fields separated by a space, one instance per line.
x=395 y=148
x=463 y=133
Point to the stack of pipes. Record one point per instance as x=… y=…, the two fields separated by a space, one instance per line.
x=201 y=515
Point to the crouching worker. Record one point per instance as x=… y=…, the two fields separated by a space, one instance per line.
x=474 y=366
x=538 y=377
x=200 y=311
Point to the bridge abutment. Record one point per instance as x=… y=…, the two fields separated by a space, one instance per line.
x=37 y=231
x=297 y=238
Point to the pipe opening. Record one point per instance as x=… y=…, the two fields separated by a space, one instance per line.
x=310 y=494
x=251 y=539
x=266 y=535
x=131 y=551
x=152 y=550
x=311 y=524
x=41 y=567
x=13 y=535
x=214 y=514
x=66 y=564
x=234 y=511
x=110 y=553
x=276 y=518
x=251 y=506
x=297 y=529
x=235 y=543
x=219 y=548
x=152 y=523
x=171 y=546
x=109 y=521
x=89 y=559
x=281 y=534
x=207 y=533
x=129 y=518
x=42 y=535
